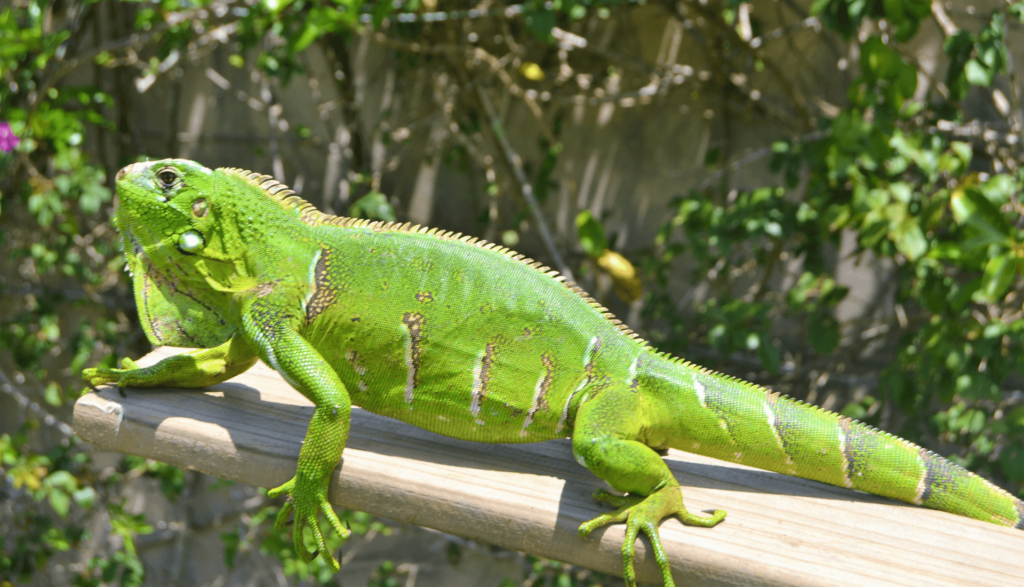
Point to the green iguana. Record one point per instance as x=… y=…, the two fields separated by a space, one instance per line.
x=466 y=339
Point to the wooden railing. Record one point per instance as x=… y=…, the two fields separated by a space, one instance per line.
x=532 y=497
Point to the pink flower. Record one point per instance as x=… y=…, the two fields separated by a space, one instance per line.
x=7 y=139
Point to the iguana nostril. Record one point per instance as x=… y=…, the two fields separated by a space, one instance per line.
x=121 y=173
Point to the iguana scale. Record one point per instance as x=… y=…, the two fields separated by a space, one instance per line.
x=466 y=339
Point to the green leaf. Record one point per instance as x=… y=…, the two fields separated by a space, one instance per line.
x=1016 y=10
x=52 y=394
x=85 y=497
x=999 y=188
x=311 y=32
x=60 y=501
x=1012 y=462
x=822 y=332
x=711 y=157
x=374 y=206
x=753 y=341
x=978 y=74
x=380 y=11
x=958 y=48
x=770 y=356
x=591 y=234
x=999 y=274
x=854 y=410
x=540 y=22
x=1016 y=417
x=963 y=151
x=974 y=386
x=958 y=297
x=231 y=542
x=971 y=208
x=910 y=239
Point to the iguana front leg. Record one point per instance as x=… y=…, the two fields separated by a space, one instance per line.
x=198 y=368
x=603 y=441
x=272 y=328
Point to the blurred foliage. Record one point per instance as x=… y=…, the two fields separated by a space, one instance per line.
x=941 y=210
x=548 y=573
x=256 y=533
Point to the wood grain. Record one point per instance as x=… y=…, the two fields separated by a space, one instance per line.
x=532 y=497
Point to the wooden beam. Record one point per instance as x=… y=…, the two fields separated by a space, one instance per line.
x=532 y=497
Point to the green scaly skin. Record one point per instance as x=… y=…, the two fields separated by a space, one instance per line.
x=465 y=339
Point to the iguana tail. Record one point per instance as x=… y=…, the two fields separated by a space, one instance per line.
x=745 y=423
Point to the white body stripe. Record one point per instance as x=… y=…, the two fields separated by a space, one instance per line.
x=587 y=356
x=699 y=389
x=478 y=384
x=312 y=279
x=410 y=369
x=770 y=415
x=568 y=402
x=533 y=405
x=842 y=452
x=633 y=367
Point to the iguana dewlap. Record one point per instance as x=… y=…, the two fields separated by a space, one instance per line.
x=467 y=339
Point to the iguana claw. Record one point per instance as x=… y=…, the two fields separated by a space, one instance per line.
x=308 y=500
x=644 y=513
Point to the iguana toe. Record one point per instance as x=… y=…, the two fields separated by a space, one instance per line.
x=308 y=505
x=643 y=514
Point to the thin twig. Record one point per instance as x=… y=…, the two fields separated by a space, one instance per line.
x=758 y=154
x=515 y=162
x=942 y=19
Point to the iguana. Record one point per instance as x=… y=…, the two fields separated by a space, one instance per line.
x=467 y=339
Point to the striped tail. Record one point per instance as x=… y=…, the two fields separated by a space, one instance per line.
x=746 y=423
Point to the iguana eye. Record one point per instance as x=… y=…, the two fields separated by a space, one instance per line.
x=167 y=177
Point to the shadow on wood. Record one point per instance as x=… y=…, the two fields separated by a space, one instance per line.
x=532 y=497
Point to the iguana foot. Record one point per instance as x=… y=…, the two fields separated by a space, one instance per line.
x=644 y=513
x=130 y=374
x=308 y=500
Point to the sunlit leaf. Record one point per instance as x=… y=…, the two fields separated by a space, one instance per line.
x=591 y=234
x=999 y=274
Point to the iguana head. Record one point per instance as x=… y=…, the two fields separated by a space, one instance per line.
x=163 y=205
x=176 y=245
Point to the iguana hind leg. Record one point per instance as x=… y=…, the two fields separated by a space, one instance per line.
x=603 y=442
